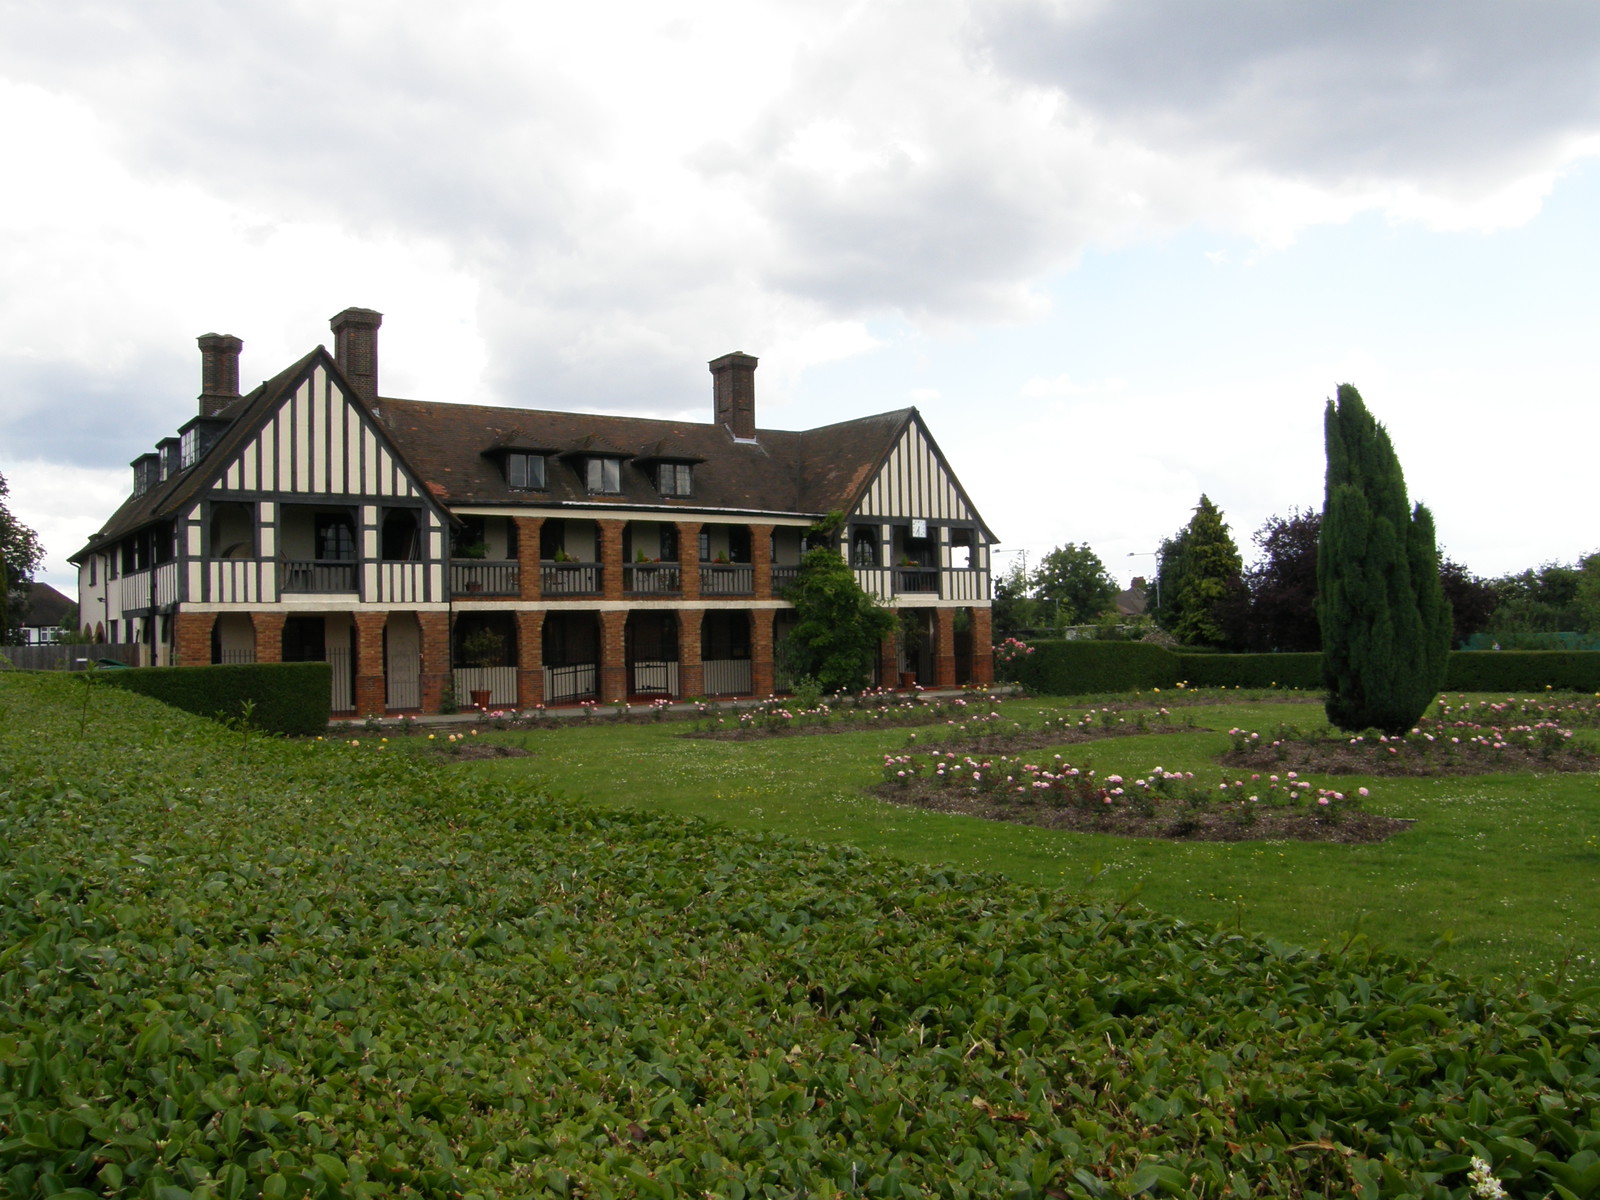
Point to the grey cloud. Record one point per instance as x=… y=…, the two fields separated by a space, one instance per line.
x=1459 y=93
x=371 y=123
x=65 y=412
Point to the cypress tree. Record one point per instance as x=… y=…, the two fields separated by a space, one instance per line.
x=1385 y=620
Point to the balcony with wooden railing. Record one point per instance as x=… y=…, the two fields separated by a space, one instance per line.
x=476 y=576
x=558 y=580
x=317 y=576
x=727 y=579
x=652 y=579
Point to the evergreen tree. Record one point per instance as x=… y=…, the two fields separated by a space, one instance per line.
x=1385 y=620
x=1203 y=599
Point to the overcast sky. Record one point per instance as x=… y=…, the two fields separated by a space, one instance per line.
x=1119 y=253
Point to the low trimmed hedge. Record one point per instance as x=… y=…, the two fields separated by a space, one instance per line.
x=1251 y=670
x=1062 y=668
x=288 y=698
x=1081 y=667
x=1523 y=670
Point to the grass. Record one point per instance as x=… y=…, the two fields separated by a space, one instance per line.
x=235 y=966
x=1498 y=876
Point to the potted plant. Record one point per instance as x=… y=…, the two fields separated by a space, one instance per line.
x=483 y=648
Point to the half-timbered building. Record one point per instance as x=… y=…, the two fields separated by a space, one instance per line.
x=520 y=556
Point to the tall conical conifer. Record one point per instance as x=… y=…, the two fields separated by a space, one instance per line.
x=1385 y=620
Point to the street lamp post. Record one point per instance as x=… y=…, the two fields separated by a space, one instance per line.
x=1155 y=554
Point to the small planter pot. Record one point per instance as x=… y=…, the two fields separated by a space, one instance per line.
x=480 y=697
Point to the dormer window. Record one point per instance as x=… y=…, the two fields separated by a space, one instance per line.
x=603 y=476
x=190 y=447
x=675 y=479
x=525 y=472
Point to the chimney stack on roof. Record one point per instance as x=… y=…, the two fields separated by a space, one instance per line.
x=734 y=393
x=219 y=371
x=355 y=348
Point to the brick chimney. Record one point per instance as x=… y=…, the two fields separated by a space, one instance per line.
x=355 y=348
x=219 y=371
x=734 y=393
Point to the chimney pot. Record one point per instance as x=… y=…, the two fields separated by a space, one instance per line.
x=355 y=348
x=219 y=371
x=734 y=393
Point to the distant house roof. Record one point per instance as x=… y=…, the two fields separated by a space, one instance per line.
x=46 y=607
x=1131 y=601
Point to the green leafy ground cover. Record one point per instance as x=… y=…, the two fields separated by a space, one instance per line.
x=237 y=967
x=1505 y=868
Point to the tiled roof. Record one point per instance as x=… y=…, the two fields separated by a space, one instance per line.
x=456 y=452
x=172 y=493
x=806 y=472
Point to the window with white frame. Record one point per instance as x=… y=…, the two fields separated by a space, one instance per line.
x=525 y=472
x=604 y=476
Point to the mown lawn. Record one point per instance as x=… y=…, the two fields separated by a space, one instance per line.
x=1500 y=875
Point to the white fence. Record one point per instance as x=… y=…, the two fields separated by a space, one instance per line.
x=499 y=682
x=727 y=677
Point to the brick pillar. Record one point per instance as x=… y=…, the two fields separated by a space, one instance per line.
x=889 y=659
x=530 y=659
x=611 y=558
x=691 y=672
x=369 y=663
x=761 y=559
x=689 y=563
x=763 y=675
x=528 y=575
x=269 y=636
x=191 y=638
x=982 y=646
x=944 y=647
x=613 y=654
x=435 y=631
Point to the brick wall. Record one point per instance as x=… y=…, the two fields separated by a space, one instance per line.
x=691 y=674
x=613 y=652
x=982 y=646
x=370 y=690
x=944 y=647
x=435 y=628
x=530 y=659
x=763 y=679
x=192 y=638
x=529 y=580
x=269 y=636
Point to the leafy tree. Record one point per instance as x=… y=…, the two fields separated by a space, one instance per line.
x=1203 y=601
x=1385 y=622
x=20 y=556
x=1587 y=593
x=840 y=627
x=1472 y=600
x=1535 y=603
x=1283 y=583
x=1014 y=611
x=1075 y=582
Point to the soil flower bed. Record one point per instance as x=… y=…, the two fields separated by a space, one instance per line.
x=869 y=710
x=1054 y=794
x=989 y=733
x=1445 y=745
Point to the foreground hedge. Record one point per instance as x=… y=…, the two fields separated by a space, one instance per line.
x=1069 y=668
x=287 y=698
x=241 y=967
